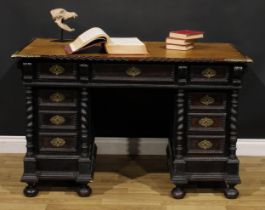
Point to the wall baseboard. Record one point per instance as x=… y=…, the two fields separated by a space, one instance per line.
x=133 y=146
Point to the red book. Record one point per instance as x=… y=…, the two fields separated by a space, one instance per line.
x=186 y=34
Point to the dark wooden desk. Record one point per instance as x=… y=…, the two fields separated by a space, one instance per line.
x=189 y=97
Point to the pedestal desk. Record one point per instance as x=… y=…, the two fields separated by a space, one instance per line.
x=189 y=97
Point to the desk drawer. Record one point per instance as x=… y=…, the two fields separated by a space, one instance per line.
x=57 y=97
x=62 y=165
x=205 y=166
x=51 y=142
x=207 y=101
x=137 y=72
x=56 y=71
x=206 y=122
x=209 y=74
x=205 y=144
x=57 y=119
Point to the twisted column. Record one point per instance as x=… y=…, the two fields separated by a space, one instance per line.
x=29 y=121
x=84 y=122
x=233 y=124
x=180 y=123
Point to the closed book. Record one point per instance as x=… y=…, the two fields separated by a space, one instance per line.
x=179 y=47
x=178 y=41
x=186 y=34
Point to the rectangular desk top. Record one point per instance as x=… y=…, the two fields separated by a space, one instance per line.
x=203 y=52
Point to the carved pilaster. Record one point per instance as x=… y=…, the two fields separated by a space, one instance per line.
x=27 y=71
x=84 y=122
x=84 y=72
x=179 y=123
x=182 y=75
x=29 y=121
x=233 y=124
x=238 y=72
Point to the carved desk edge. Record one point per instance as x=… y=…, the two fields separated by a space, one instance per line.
x=126 y=59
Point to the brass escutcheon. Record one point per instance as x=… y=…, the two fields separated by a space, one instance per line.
x=133 y=72
x=57 y=97
x=57 y=120
x=56 y=69
x=207 y=100
x=205 y=144
x=206 y=122
x=208 y=73
x=57 y=142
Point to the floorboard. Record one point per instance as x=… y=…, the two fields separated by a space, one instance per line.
x=131 y=183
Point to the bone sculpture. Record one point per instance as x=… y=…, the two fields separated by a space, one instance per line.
x=59 y=15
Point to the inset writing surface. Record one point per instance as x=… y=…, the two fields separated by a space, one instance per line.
x=48 y=48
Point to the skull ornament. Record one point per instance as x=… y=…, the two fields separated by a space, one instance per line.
x=59 y=15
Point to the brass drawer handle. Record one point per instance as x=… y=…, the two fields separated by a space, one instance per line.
x=205 y=144
x=209 y=73
x=207 y=100
x=57 y=120
x=57 y=97
x=56 y=69
x=133 y=72
x=206 y=122
x=57 y=142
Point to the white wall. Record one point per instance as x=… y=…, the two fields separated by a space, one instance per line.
x=141 y=146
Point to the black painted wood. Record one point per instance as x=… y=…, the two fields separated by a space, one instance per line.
x=67 y=108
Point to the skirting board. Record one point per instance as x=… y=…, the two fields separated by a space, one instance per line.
x=133 y=146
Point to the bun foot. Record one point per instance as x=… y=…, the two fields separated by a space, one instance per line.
x=231 y=192
x=84 y=191
x=177 y=193
x=31 y=191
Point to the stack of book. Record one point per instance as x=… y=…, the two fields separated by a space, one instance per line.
x=182 y=39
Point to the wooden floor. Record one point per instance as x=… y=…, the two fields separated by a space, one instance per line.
x=131 y=183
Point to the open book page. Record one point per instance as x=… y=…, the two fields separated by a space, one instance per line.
x=124 y=41
x=87 y=37
x=128 y=45
x=95 y=37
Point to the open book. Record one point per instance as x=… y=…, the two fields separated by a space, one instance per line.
x=96 y=37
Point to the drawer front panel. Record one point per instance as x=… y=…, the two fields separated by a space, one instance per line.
x=57 y=97
x=57 y=142
x=56 y=71
x=60 y=165
x=138 y=72
x=57 y=119
x=205 y=167
x=209 y=74
x=207 y=100
x=205 y=144
x=206 y=122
